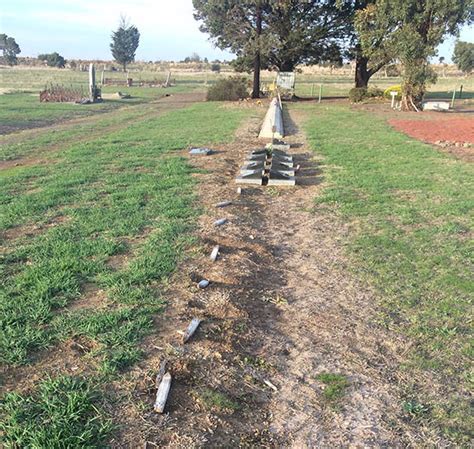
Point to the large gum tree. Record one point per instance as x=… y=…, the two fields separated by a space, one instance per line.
x=410 y=31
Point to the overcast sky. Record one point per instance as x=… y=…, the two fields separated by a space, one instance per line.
x=82 y=28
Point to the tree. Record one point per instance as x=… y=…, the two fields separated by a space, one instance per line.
x=365 y=65
x=235 y=25
x=10 y=49
x=410 y=31
x=308 y=32
x=463 y=56
x=274 y=35
x=53 y=60
x=125 y=43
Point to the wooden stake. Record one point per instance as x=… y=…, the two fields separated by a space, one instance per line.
x=214 y=253
x=191 y=329
x=161 y=373
x=162 y=393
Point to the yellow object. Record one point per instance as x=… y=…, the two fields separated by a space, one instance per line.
x=397 y=88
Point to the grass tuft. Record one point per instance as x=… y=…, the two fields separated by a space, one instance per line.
x=63 y=412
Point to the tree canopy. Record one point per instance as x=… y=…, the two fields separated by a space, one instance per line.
x=276 y=35
x=463 y=56
x=53 y=59
x=9 y=48
x=125 y=43
x=410 y=31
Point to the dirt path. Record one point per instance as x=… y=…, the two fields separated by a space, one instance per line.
x=283 y=307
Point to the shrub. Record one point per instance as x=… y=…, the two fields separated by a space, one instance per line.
x=397 y=89
x=374 y=92
x=228 y=89
x=215 y=67
x=357 y=94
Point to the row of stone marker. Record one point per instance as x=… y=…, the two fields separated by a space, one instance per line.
x=268 y=166
x=272 y=166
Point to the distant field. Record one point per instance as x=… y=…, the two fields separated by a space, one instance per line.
x=34 y=79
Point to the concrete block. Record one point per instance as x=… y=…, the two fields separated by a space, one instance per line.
x=278 y=146
x=273 y=123
x=436 y=106
x=253 y=166
x=281 y=165
x=254 y=177
x=279 y=178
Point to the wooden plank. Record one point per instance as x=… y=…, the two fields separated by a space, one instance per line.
x=191 y=329
x=162 y=393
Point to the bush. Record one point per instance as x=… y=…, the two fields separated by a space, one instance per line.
x=228 y=89
x=397 y=89
x=358 y=94
x=374 y=92
x=215 y=67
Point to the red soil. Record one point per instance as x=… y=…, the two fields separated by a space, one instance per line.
x=452 y=129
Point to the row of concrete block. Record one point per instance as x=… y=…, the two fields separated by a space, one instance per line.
x=270 y=166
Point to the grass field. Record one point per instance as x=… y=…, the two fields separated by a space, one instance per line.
x=410 y=208
x=99 y=212
x=86 y=207
x=337 y=85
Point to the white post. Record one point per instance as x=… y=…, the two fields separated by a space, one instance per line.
x=320 y=92
x=393 y=93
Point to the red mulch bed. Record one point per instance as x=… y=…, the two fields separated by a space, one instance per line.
x=452 y=129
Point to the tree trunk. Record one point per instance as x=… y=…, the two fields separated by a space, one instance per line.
x=256 y=61
x=362 y=74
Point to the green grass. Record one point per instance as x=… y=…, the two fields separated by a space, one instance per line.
x=63 y=412
x=19 y=110
x=410 y=207
x=213 y=399
x=125 y=193
x=335 y=386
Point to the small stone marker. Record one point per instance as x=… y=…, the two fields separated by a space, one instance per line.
x=239 y=190
x=215 y=253
x=258 y=152
x=278 y=146
x=253 y=177
x=220 y=222
x=282 y=165
x=162 y=393
x=279 y=178
x=436 y=106
x=201 y=151
x=282 y=158
x=191 y=329
x=253 y=167
x=224 y=204
x=203 y=284
x=256 y=157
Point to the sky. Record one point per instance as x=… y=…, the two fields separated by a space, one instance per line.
x=81 y=29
